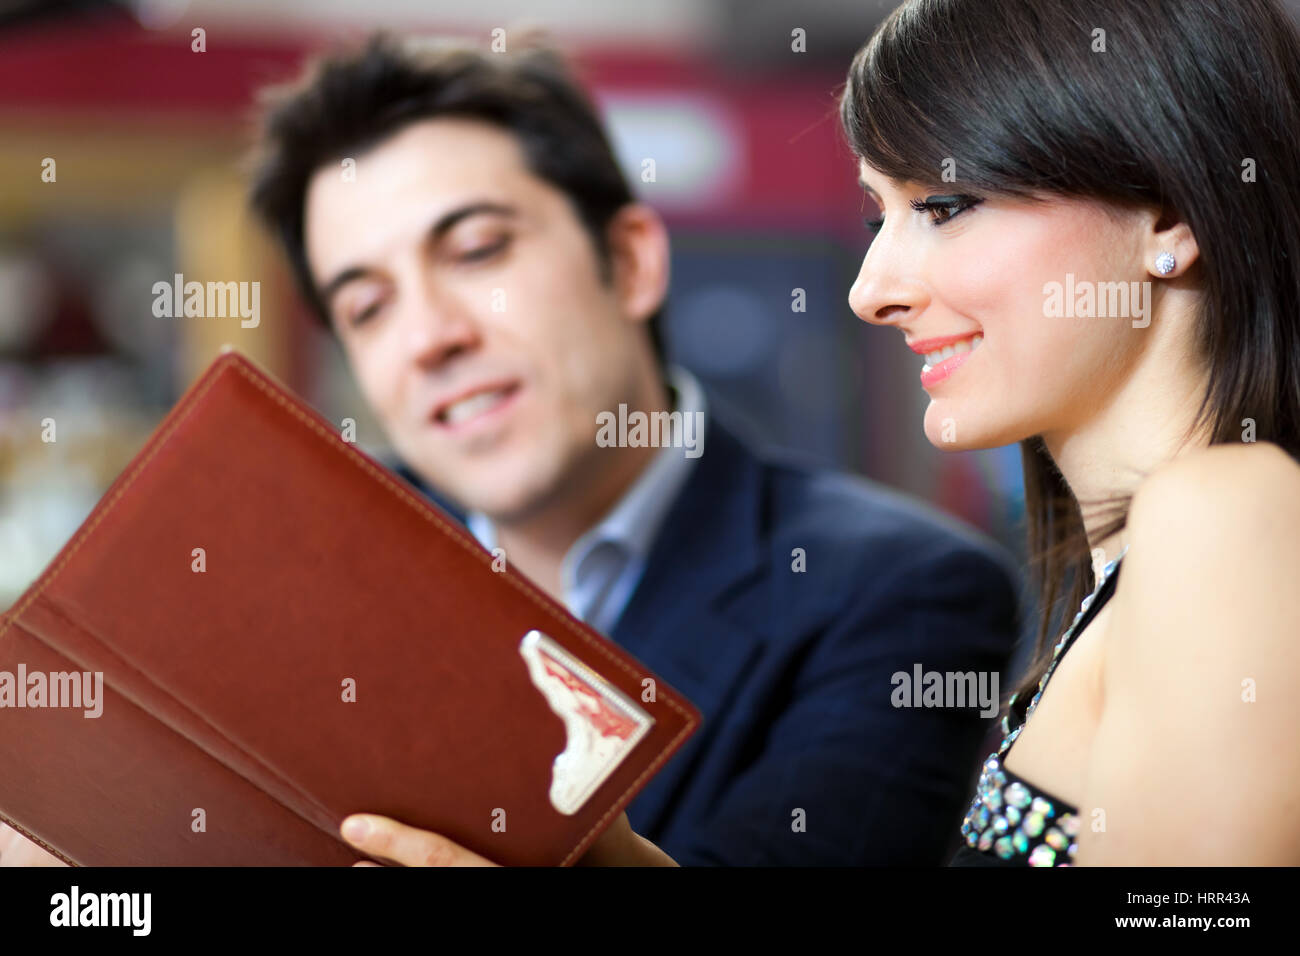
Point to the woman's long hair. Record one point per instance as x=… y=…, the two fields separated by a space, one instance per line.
x=1192 y=106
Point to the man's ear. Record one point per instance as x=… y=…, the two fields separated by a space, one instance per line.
x=639 y=254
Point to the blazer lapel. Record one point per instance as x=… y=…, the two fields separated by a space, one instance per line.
x=685 y=620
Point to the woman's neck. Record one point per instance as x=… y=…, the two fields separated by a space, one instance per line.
x=1144 y=423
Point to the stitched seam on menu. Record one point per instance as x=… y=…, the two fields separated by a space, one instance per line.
x=183 y=412
x=38 y=841
x=31 y=835
x=482 y=556
x=130 y=695
x=5 y=621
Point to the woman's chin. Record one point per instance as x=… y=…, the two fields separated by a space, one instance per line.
x=945 y=431
x=948 y=432
x=951 y=445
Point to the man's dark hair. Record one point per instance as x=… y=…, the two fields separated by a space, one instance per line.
x=345 y=103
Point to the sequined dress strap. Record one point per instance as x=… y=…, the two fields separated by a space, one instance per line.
x=1092 y=607
x=1011 y=821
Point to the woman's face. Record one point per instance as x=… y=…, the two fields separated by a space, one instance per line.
x=1011 y=278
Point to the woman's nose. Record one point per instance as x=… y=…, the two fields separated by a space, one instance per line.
x=885 y=293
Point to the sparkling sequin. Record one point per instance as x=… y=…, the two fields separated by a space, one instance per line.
x=1004 y=849
x=1020 y=841
x=1043 y=855
x=1044 y=807
x=986 y=840
x=1000 y=825
x=1032 y=824
x=1017 y=795
x=1012 y=814
x=1056 y=839
x=1070 y=824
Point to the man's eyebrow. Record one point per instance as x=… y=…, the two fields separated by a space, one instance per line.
x=444 y=224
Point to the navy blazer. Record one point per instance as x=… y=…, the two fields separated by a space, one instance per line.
x=802 y=758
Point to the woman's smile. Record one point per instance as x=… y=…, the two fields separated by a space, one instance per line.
x=944 y=356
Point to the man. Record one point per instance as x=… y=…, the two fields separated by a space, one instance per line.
x=460 y=222
x=458 y=219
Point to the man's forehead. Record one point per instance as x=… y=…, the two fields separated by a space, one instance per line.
x=415 y=185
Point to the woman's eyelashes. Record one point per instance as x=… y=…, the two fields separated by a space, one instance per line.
x=942 y=209
x=362 y=316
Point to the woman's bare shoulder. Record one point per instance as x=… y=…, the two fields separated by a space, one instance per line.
x=1246 y=495
x=1216 y=533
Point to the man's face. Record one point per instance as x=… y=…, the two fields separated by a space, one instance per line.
x=471 y=307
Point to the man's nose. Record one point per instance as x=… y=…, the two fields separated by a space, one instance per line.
x=887 y=290
x=437 y=325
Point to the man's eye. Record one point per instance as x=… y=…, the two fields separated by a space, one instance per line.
x=944 y=209
x=484 y=252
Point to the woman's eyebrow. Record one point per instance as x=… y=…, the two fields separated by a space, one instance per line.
x=869 y=191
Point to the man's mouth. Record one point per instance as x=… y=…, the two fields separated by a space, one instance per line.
x=473 y=404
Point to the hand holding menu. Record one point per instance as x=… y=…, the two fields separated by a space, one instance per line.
x=259 y=630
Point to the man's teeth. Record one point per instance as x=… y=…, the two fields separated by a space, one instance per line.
x=965 y=345
x=467 y=408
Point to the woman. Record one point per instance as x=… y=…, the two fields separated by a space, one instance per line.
x=1094 y=205
x=1092 y=232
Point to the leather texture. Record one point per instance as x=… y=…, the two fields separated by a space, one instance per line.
x=224 y=688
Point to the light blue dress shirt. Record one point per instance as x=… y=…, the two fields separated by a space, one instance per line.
x=602 y=568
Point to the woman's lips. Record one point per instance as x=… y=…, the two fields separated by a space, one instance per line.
x=933 y=375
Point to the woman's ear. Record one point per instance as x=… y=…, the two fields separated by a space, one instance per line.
x=638 y=243
x=1174 y=237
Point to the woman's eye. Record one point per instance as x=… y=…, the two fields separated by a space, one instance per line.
x=944 y=209
x=874 y=225
x=364 y=314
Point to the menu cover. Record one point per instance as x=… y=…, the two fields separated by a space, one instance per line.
x=260 y=630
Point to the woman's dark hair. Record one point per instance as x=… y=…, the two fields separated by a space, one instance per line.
x=1189 y=106
x=347 y=102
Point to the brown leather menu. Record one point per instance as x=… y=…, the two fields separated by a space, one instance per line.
x=282 y=633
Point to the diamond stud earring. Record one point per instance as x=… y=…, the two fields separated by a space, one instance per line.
x=1166 y=263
